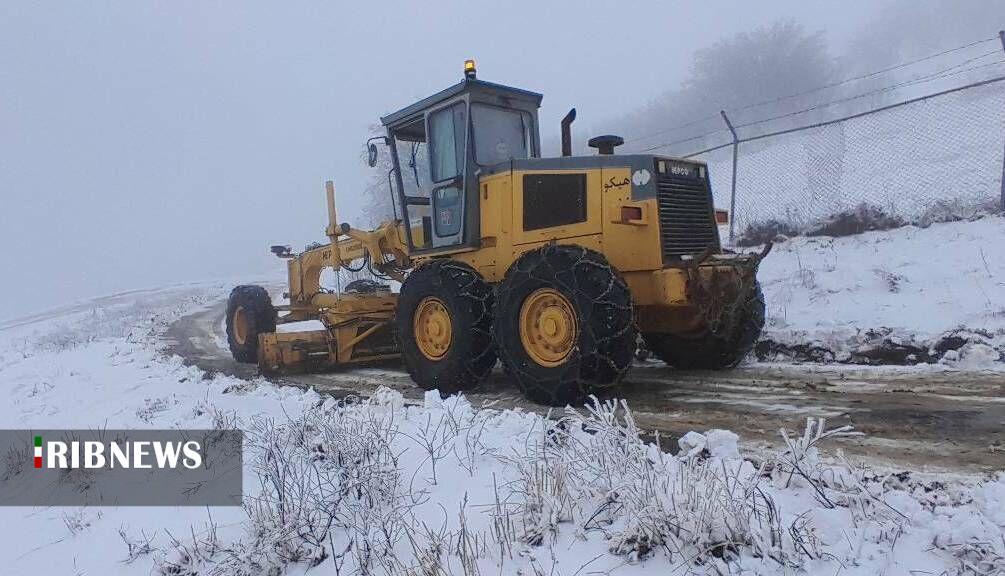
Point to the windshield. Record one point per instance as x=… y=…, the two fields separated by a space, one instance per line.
x=500 y=134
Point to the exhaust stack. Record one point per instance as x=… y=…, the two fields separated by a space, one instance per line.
x=567 y=132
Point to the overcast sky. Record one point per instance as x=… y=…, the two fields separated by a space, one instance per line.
x=145 y=143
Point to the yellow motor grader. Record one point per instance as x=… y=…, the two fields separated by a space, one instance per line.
x=555 y=266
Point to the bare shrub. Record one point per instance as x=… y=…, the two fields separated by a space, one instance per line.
x=334 y=493
x=472 y=447
x=330 y=486
x=135 y=547
x=759 y=233
x=436 y=440
x=151 y=408
x=14 y=460
x=190 y=557
x=890 y=279
x=975 y=558
x=867 y=217
x=224 y=420
x=434 y=549
x=958 y=210
x=594 y=469
x=77 y=521
x=863 y=218
x=801 y=457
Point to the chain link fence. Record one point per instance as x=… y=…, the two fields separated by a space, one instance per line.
x=926 y=159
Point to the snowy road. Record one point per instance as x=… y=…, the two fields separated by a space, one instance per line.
x=916 y=418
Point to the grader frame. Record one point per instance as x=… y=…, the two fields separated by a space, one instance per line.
x=351 y=320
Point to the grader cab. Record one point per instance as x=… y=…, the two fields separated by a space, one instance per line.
x=555 y=266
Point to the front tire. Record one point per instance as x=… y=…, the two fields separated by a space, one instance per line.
x=714 y=351
x=249 y=313
x=444 y=326
x=564 y=324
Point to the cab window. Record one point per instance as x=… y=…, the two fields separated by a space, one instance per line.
x=500 y=134
x=411 y=149
x=446 y=131
x=447 y=141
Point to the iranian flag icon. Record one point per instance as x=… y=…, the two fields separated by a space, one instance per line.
x=38 y=451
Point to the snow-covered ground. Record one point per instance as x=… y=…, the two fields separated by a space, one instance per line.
x=912 y=289
x=377 y=486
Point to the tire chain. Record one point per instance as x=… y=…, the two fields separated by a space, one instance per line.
x=475 y=290
x=603 y=297
x=723 y=305
x=479 y=298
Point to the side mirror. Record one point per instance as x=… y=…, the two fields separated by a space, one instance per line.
x=371 y=155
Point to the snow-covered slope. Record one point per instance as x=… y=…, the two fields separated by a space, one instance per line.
x=911 y=286
x=380 y=487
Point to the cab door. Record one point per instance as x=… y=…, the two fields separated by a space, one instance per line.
x=447 y=129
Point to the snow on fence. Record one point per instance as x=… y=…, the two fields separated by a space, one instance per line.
x=942 y=152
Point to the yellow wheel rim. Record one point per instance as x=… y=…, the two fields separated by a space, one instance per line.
x=548 y=327
x=240 y=325
x=432 y=328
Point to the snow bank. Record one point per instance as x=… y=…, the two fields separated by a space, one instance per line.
x=907 y=295
x=379 y=486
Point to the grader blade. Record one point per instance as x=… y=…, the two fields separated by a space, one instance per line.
x=307 y=351
x=354 y=340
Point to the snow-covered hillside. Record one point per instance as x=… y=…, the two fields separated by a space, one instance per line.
x=936 y=292
x=378 y=486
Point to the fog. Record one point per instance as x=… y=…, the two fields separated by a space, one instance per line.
x=148 y=143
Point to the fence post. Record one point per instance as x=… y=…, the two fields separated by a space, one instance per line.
x=732 y=191
x=1001 y=36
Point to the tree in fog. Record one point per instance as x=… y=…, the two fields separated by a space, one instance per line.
x=905 y=30
x=378 y=206
x=909 y=30
x=755 y=66
x=760 y=65
x=381 y=202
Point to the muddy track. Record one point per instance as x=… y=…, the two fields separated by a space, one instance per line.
x=912 y=419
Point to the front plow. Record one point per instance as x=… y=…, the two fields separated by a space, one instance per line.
x=358 y=328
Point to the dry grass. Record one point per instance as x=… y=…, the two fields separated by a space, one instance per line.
x=335 y=493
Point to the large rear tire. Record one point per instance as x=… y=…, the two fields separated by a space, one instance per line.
x=249 y=313
x=564 y=324
x=714 y=351
x=444 y=326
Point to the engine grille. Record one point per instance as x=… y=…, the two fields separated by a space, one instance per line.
x=687 y=220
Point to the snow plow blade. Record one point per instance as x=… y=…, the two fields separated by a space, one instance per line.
x=321 y=350
x=296 y=351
